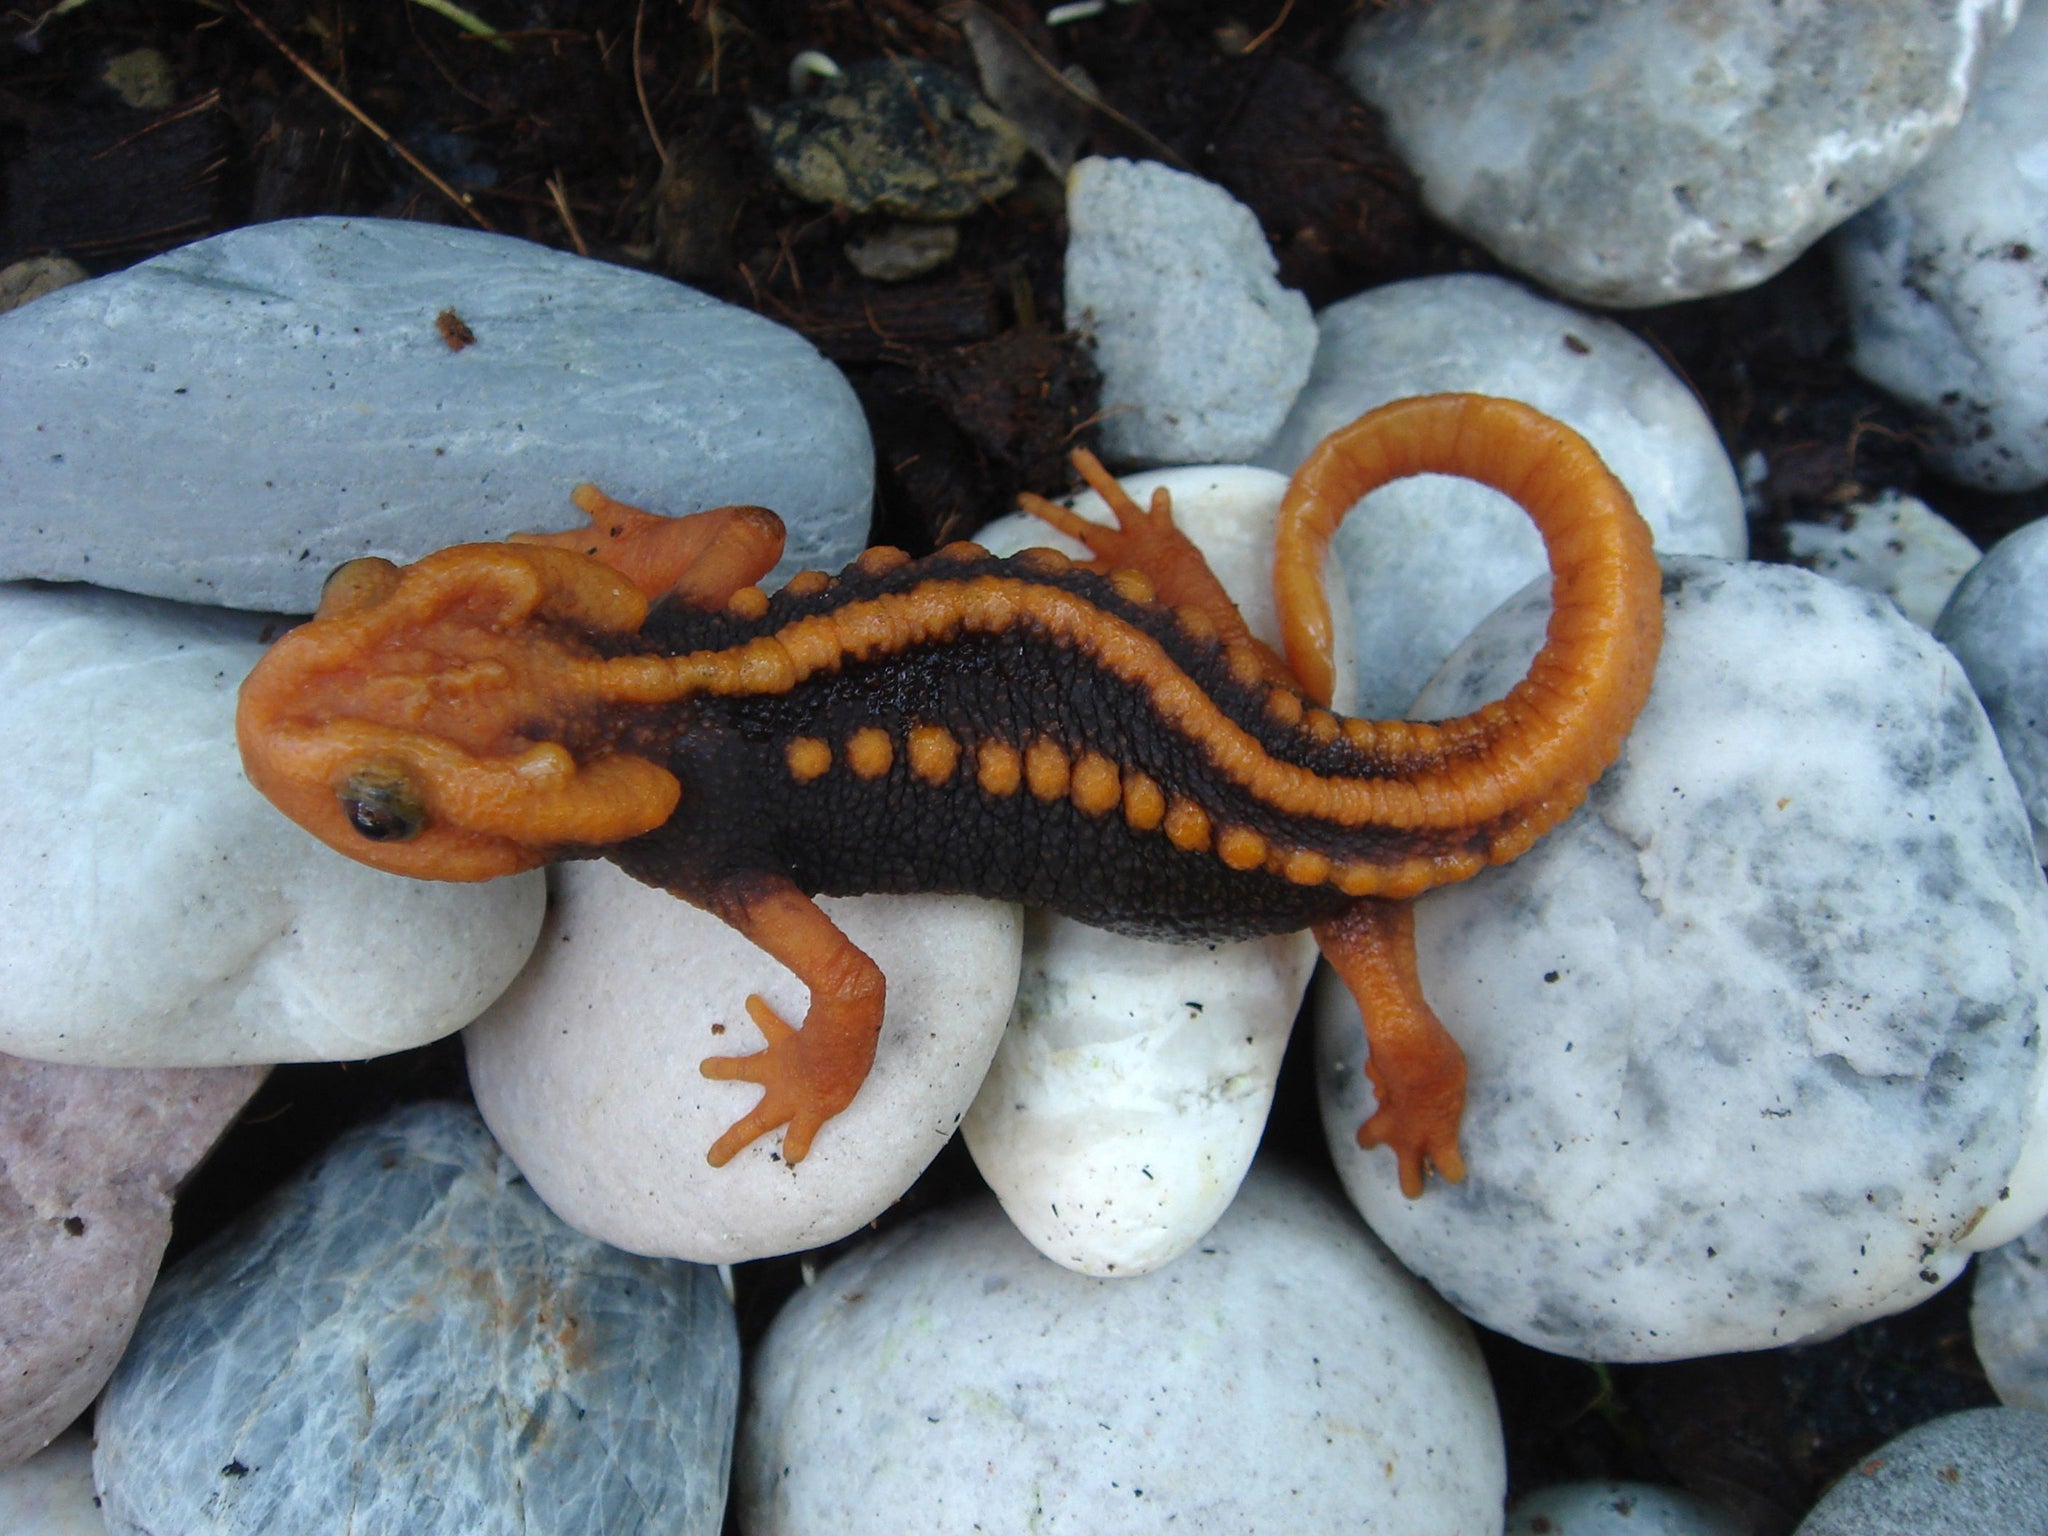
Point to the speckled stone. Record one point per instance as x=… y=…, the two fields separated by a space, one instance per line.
x=1755 y=1036
x=2009 y=1319
x=1426 y=559
x=51 y=1494
x=1131 y=1087
x=1997 y=624
x=1171 y=281
x=312 y=346
x=1284 y=1377
x=162 y=913
x=403 y=1340
x=1979 y=1473
x=1945 y=279
x=588 y=1068
x=1894 y=545
x=90 y=1158
x=1617 y=1509
x=1662 y=150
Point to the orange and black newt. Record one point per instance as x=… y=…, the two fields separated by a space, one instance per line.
x=1104 y=738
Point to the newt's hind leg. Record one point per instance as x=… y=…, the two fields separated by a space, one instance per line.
x=1146 y=540
x=701 y=559
x=1417 y=1070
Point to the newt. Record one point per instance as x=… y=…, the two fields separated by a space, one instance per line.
x=1101 y=737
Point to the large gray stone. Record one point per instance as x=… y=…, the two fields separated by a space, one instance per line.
x=1665 y=149
x=1979 y=1473
x=1756 y=1035
x=90 y=1158
x=404 y=1342
x=229 y=421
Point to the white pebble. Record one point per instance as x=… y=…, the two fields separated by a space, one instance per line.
x=1946 y=279
x=1172 y=282
x=1997 y=624
x=1428 y=558
x=1131 y=1087
x=1661 y=150
x=1894 y=545
x=586 y=1070
x=1755 y=1036
x=51 y=1494
x=163 y=913
x=1284 y=1377
x=2009 y=1319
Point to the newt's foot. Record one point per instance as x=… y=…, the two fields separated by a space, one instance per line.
x=803 y=1086
x=1421 y=1129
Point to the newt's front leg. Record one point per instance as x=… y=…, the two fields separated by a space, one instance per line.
x=810 y=1074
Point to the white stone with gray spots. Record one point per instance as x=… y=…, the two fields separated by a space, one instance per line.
x=1284 y=1377
x=1662 y=150
x=228 y=422
x=2009 y=1319
x=1894 y=545
x=588 y=1068
x=1618 y=1509
x=162 y=913
x=1172 y=283
x=1755 y=1036
x=1426 y=559
x=1983 y=1472
x=1997 y=624
x=403 y=1339
x=1946 y=279
x=1131 y=1086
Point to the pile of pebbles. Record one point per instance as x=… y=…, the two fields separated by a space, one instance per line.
x=1756 y=1036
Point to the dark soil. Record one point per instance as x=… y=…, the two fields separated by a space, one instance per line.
x=973 y=392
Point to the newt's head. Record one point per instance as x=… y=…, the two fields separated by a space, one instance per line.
x=431 y=719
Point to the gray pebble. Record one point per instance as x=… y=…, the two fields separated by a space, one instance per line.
x=228 y=422
x=1945 y=279
x=1662 y=150
x=1979 y=1473
x=403 y=1342
x=1997 y=625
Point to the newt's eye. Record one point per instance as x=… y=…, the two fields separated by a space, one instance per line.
x=383 y=805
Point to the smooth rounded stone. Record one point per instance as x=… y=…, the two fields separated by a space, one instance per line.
x=1427 y=558
x=1663 y=150
x=1997 y=624
x=1894 y=545
x=315 y=345
x=587 y=1069
x=1618 y=1509
x=2009 y=1319
x=1983 y=1472
x=1131 y=1087
x=1171 y=281
x=90 y=1159
x=1945 y=279
x=1284 y=1377
x=1755 y=1035
x=402 y=1339
x=163 y=913
x=51 y=1494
